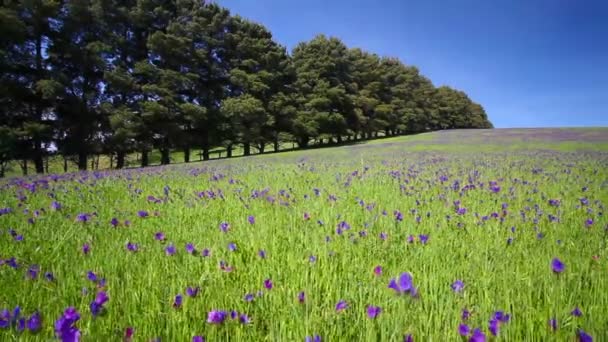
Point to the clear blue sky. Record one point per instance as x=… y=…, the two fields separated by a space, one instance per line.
x=529 y=63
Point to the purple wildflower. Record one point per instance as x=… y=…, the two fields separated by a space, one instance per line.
x=198 y=339
x=170 y=250
x=132 y=247
x=5 y=319
x=205 y=252
x=398 y=215
x=34 y=322
x=143 y=214
x=404 y=285
x=465 y=314
x=315 y=338
x=458 y=286
x=301 y=297
x=55 y=205
x=251 y=219
x=129 y=334
x=553 y=324
x=177 y=301
x=12 y=262
x=244 y=319
x=408 y=338
x=97 y=304
x=64 y=326
x=86 y=248
x=423 y=238
x=83 y=217
x=378 y=270
x=216 y=317
x=268 y=284
x=114 y=222
x=478 y=336
x=583 y=336
x=577 y=312
x=49 y=276
x=33 y=271
x=159 y=236
x=262 y=254
x=494 y=326
x=341 y=305
x=232 y=247
x=92 y=276
x=190 y=248
x=373 y=311
x=224 y=227
x=463 y=330
x=249 y=297
x=411 y=239
x=557 y=266
x=501 y=317
x=192 y=291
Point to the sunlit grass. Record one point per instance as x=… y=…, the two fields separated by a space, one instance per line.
x=278 y=190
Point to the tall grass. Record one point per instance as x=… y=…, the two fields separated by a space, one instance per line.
x=298 y=201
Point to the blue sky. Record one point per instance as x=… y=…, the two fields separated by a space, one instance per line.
x=530 y=63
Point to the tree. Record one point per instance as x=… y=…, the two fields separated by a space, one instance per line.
x=8 y=144
x=324 y=89
x=78 y=58
x=367 y=76
x=32 y=25
x=109 y=76
x=259 y=68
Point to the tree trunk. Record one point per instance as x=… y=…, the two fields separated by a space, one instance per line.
x=65 y=164
x=339 y=139
x=38 y=160
x=145 y=160
x=165 y=159
x=303 y=142
x=275 y=144
x=229 y=151
x=24 y=167
x=82 y=161
x=46 y=164
x=205 y=146
x=186 y=155
x=262 y=147
x=120 y=159
x=246 y=148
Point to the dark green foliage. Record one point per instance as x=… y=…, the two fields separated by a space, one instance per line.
x=83 y=78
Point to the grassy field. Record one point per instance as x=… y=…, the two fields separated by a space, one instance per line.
x=481 y=221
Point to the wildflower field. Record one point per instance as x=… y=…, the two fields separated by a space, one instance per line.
x=448 y=236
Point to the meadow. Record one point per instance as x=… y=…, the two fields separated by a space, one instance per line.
x=447 y=236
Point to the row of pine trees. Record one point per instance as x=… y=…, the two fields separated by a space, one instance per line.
x=82 y=78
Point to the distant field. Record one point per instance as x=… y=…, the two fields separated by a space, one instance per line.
x=562 y=139
x=504 y=231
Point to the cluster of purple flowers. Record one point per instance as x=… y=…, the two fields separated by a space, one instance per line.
x=15 y=320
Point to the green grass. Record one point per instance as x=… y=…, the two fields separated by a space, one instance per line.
x=515 y=278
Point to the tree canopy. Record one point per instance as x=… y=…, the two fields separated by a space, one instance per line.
x=83 y=78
